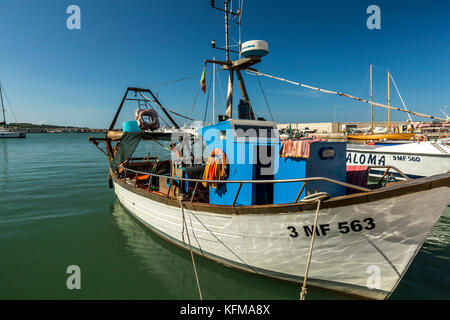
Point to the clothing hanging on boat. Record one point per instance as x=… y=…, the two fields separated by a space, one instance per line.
x=296 y=148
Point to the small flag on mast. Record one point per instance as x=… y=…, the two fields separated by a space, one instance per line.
x=203 y=80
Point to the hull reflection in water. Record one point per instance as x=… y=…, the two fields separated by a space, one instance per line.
x=172 y=268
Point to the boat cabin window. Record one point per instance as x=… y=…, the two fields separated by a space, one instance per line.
x=247 y=132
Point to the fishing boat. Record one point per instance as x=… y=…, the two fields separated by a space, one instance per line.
x=415 y=159
x=285 y=209
x=4 y=131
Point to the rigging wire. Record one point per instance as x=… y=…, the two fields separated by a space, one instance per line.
x=221 y=88
x=198 y=90
x=398 y=92
x=171 y=111
x=342 y=94
x=169 y=126
x=10 y=106
x=207 y=101
x=364 y=83
x=178 y=80
x=195 y=100
x=264 y=95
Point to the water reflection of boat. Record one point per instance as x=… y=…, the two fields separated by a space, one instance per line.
x=172 y=267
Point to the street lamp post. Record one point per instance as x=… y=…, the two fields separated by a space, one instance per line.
x=334 y=114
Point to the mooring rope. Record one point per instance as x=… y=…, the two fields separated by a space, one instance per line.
x=190 y=249
x=221 y=242
x=319 y=196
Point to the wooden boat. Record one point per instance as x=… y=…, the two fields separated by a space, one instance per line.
x=296 y=220
x=388 y=135
x=381 y=136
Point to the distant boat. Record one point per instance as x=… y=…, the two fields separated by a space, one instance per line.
x=11 y=134
x=4 y=132
x=380 y=135
x=415 y=159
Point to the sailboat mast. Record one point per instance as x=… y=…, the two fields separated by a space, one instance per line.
x=389 y=101
x=371 y=101
x=3 y=106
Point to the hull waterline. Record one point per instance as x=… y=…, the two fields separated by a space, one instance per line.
x=367 y=263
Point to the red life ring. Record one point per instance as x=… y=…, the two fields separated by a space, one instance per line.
x=421 y=138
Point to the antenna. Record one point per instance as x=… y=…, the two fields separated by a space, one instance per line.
x=334 y=113
x=227 y=14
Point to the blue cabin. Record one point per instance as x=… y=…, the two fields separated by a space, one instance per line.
x=252 y=148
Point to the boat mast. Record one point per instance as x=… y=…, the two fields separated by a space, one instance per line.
x=3 y=106
x=226 y=31
x=389 y=101
x=371 y=101
x=214 y=92
x=229 y=111
x=233 y=65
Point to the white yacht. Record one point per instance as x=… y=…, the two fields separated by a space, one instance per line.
x=4 y=132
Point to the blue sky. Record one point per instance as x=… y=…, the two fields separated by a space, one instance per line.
x=77 y=77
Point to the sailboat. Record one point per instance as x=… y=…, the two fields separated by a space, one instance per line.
x=4 y=132
x=372 y=135
x=279 y=208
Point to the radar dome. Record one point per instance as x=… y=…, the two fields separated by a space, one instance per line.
x=258 y=48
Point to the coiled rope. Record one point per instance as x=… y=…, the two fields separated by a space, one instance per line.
x=315 y=197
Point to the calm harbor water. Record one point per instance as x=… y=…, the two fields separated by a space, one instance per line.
x=56 y=210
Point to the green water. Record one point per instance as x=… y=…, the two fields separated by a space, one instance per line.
x=56 y=210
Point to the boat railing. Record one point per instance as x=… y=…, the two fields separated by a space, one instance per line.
x=241 y=182
x=388 y=168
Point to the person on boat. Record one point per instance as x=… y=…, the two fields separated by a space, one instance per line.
x=177 y=150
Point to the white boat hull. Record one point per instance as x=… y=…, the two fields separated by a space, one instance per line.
x=362 y=249
x=415 y=165
x=10 y=134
